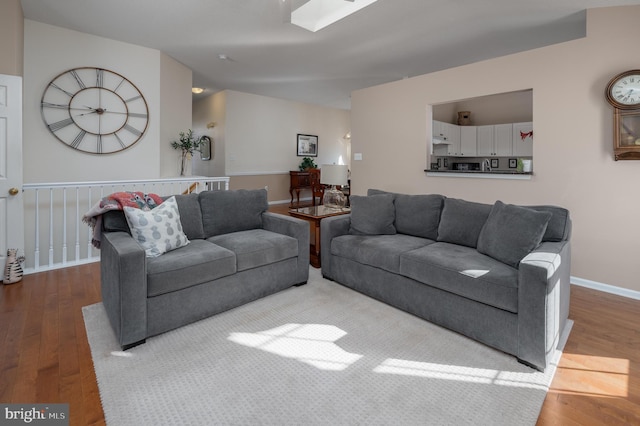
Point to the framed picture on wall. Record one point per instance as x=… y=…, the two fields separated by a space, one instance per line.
x=513 y=163
x=307 y=145
x=495 y=163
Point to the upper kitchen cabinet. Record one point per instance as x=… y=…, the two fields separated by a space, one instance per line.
x=468 y=141
x=522 y=139
x=446 y=138
x=486 y=146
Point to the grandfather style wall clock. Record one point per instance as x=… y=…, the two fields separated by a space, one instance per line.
x=623 y=93
x=94 y=110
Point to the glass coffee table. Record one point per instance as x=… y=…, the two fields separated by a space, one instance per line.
x=314 y=215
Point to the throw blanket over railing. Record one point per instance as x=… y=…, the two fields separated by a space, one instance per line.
x=54 y=234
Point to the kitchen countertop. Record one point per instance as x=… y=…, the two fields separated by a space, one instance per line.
x=495 y=174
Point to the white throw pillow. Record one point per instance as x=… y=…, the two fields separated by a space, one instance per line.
x=159 y=230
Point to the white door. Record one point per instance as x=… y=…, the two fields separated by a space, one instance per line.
x=11 y=209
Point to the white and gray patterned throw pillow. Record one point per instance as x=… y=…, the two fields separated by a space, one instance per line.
x=159 y=230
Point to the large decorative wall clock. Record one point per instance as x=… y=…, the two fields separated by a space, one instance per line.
x=94 y=110
x=623 y=93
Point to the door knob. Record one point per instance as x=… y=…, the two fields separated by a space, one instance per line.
x=13 y=191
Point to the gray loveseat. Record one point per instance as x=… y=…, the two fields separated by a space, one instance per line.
x=237 y=252
x=498 y=274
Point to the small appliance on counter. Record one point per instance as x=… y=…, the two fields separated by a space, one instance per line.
x=466 y=166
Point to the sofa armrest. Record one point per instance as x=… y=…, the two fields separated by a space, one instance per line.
x=543 y=301
x=296 y=228
x=123 y=276
x=330 y=228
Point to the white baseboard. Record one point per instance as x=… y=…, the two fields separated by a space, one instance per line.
x=607 y=288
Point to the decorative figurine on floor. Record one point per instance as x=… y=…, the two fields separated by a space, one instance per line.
x=13 y=270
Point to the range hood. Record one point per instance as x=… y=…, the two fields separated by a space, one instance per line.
x=439 y=141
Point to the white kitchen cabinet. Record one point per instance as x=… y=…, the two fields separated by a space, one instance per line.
x=485 y=141
x=522 y=143
x=450 y=135
x=468 y=141
x=503 y=140
x=495 y=140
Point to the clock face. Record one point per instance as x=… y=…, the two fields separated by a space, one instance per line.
x=623 y=91
x=94 y=110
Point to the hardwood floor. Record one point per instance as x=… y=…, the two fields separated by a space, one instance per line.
x=45 y=357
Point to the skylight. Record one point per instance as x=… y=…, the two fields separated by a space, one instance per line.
x=314 y=15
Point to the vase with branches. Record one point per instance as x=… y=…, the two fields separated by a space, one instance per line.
x=187 y=144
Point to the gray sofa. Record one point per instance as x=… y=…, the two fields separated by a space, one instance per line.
x=237 y=252
x=498 y=274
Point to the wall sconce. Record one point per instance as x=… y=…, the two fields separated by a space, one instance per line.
x=348 y=135
x=211 y=124
x=197 y=90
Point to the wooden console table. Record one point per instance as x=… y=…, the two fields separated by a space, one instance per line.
x=309 y=179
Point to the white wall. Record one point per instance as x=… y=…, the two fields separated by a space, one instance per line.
x=573 y=149
x=11 y=37
x=175 y=111
x=255 y=138
x=49 y=51
x=260 y=133
x=211 y=109
x=514 y=107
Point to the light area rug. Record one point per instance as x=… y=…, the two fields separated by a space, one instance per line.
x=319 y=354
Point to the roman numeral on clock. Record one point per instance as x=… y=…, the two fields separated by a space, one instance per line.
x=133 y=130
x=99 y=78
x=54 y=127
x=78 y=79
x=50 y=105
x=78 y=139
x=62 y=90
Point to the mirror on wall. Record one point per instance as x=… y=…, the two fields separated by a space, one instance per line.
x=205 y=148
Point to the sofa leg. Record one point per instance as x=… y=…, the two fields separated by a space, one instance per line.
x=300 y=284
x=133 y=345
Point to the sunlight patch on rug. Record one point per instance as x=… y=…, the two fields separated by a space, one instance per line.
x=312 y=344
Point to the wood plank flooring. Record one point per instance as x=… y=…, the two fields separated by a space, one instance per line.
x=45 y=357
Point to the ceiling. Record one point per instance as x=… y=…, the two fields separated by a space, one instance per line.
x=387 y=41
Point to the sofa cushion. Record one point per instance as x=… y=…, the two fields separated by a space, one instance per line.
x=461 y=221
x=559 y=226
x=417 y=215
x=190 y=215
x=257 y=247
x=197 y=263
x=380 y=251
x=231 y=211
x=463 y=271
x=372 y=215
x=158 y=230
x=511 y=232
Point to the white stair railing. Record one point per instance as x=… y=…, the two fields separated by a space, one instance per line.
x=53 y=215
